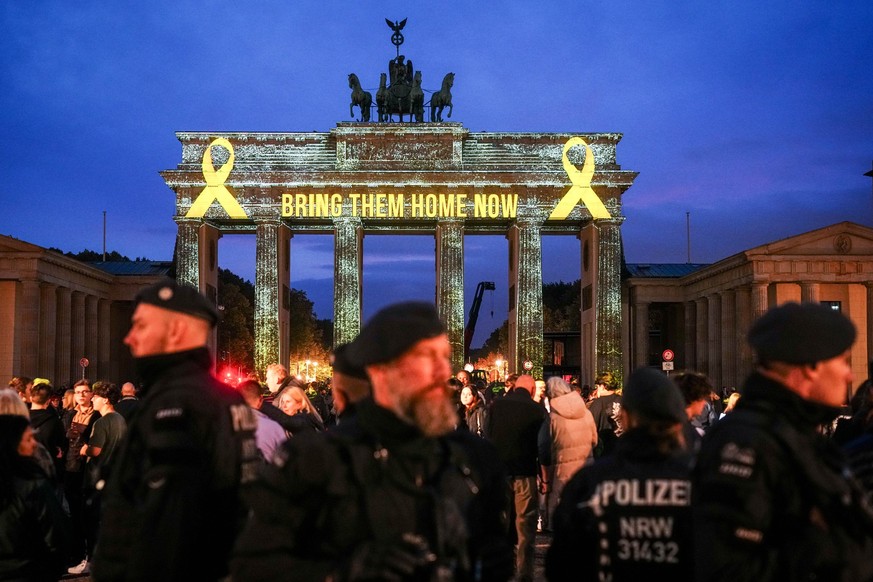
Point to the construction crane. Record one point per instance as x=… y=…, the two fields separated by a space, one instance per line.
x=474 y=314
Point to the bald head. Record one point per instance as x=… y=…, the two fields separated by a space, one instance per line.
x=527 y=382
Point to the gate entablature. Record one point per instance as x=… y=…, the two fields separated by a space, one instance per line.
x=433 y=178
x=356 y=159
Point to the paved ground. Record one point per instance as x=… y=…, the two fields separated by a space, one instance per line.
x=542 y=546
x=543 y=540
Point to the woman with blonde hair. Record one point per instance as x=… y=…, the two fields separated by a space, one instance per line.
x=293 y=400
x=68 y=401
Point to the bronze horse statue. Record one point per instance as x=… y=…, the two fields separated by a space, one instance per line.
x=399 y=98
x=382 y=99
x=361 y=98
x=416 y=99
x=442 y=99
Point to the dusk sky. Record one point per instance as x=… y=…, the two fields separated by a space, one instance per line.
x=755 y=118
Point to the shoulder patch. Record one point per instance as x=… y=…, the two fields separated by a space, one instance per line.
x=737 y=461
x=166 y=413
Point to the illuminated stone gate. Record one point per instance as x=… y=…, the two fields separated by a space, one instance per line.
x=435 y=178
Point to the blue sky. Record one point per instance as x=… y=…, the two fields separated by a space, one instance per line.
x=755 y=118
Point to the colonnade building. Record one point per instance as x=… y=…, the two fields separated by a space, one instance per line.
x=58 y=313
x=702 y=313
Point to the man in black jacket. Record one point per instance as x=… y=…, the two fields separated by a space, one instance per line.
x=772 y=499
x=513 y=426
x=173 y=507
x=392 y=492
x=47 y=426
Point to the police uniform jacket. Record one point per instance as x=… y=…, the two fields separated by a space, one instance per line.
x=772 y=500
x=626 y=517
x=373 y=478
x=173 y=507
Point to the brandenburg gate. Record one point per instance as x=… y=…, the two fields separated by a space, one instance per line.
x=438 y=179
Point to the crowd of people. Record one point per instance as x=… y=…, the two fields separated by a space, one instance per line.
x=404 y=469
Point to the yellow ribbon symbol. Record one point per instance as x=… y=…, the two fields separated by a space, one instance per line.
x=581 y=190
x=215 y=188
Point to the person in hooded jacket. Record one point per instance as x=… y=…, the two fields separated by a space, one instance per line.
x=569 y=438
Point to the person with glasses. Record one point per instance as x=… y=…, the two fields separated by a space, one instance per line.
x=106 y=436
x=78 y=423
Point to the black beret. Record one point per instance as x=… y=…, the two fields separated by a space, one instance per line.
x=392 y=331
x=339 y=359
x=801 y=333
x=174 y=296
x=652 y=394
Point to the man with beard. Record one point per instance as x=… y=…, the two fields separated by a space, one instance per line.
x=391 y=493
x=172 y=508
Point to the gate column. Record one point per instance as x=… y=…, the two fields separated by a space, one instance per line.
x=347 y=252
x=608 y=292
x=526 y=292
x=450 y=284
x=188 y=253
x=272 y=294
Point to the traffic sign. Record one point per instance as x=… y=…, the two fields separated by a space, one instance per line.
x=84 y=362
x=666 y=366
x=668 y=355
x=528 y=365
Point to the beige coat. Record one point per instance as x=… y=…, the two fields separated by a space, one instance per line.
x=573 y=436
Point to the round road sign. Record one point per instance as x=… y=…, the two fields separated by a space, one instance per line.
x=668 y=355
x=84 y=362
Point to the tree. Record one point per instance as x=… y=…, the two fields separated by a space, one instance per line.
x=561 y=307
x=562 y=304
x=236 y=331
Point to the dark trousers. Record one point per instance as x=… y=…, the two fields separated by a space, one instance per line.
x=73 y=481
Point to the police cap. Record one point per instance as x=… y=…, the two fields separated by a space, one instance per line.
x=392 y=331
x=652 y=394
x=168 y=294
x=339 y=359
x=801 y=333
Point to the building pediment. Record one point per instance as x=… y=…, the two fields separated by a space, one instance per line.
x=10 y=244
x=841 y=239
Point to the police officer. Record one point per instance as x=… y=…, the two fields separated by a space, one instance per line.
x=772 y=498
x=173 y=507
x=392 y=492
x=628 y=516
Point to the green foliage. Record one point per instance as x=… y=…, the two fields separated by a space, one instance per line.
x=562 y=305
x=561 y=309
x=236 y=332
x=307 y=341
x=88 y=256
